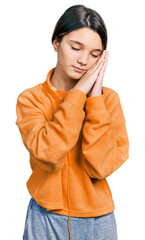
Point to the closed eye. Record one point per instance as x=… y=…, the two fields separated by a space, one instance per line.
x=79 y=49
x=75 y=48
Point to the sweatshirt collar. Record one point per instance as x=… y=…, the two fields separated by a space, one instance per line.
x=49 y=75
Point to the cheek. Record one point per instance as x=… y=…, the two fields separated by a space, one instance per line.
x=68 y=54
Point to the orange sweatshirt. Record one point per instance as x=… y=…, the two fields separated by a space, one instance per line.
x=74 y=143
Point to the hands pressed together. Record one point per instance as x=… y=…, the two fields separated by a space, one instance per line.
x=91 y=81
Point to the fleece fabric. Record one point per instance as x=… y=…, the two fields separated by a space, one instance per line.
x=75 y=142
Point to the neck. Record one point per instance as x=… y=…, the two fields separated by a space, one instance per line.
x=60 y=81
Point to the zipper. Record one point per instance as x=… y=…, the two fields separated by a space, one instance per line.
x=69 y=159
x=68 y=155
x=58 y=95
x=69 y=164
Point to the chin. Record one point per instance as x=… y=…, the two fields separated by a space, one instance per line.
x=75 y=75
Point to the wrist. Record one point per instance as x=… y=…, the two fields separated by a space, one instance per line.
x=96 y=93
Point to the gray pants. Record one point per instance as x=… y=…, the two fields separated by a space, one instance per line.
x=43 y=225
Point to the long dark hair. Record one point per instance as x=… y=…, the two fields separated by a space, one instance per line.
x=79 y=16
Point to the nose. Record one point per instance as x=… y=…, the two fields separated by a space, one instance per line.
x=82 y=59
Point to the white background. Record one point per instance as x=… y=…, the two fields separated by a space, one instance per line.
x=26 y=56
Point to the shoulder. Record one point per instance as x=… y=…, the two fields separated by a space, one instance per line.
x=30 y=92
x=34 y=95
x=28 y=101
x=35 y=99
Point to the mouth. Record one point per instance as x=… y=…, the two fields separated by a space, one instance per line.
x=78 y=69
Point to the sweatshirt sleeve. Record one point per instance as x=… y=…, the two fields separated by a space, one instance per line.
x=49 y=141
x=105 y=143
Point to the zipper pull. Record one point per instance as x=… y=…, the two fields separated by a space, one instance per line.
x=69 y=158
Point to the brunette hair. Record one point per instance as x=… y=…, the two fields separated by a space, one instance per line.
x=79 y=16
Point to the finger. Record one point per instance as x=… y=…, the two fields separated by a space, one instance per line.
x=103 y=68
x=102 y=58
x=105 y=60
x=98 y=68
x=98 y=62
x=103 y=55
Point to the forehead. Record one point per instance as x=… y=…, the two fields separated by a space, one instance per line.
x=87 y=36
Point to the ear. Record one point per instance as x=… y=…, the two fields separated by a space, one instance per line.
x=55 y=44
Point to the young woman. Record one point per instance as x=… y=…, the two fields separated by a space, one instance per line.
x=74 y=129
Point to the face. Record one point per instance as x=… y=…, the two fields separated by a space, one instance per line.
x=80 y=48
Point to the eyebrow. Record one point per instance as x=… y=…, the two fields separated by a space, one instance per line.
x=83 y=45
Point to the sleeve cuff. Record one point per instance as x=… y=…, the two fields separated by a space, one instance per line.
x=95 y=104
x=76 y=97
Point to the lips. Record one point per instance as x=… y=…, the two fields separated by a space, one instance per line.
x=78 y=69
